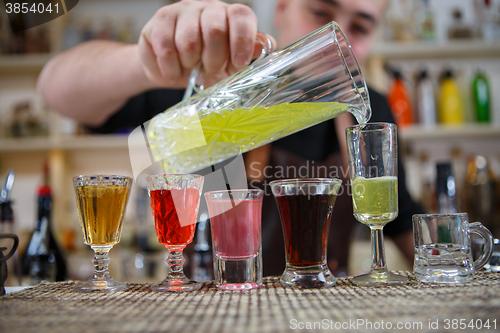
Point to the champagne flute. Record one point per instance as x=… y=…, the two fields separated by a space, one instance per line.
x=175 y=200
x=373 y=168
x=101 y=202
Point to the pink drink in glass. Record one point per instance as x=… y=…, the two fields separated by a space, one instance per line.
x=236 y=232
x=235 y=217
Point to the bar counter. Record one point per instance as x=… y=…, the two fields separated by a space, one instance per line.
x=416 y=307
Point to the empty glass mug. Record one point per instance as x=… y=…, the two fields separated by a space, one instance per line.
x=443 y=247
x=306 y=83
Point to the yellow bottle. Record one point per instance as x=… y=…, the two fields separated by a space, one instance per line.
x=450 y=103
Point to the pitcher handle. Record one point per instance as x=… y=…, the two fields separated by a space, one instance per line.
x=484 y=233
x=195 y=82
x=14 y=246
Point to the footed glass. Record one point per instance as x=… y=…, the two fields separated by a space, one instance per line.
x=175 y=200
x=101 y=202
x=373 y=167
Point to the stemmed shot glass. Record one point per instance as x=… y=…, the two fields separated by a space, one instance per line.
x=175 y=200
x=373 y=168
x=101 y=202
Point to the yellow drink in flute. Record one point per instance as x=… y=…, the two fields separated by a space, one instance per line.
x=100 y=210
x=375 y=200
x=189 y=140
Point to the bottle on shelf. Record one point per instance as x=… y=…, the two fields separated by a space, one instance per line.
x=7 y=227
x=43 y=258
x=459 y=170
x=399 y=99
x=450 y=103
x=481 y=193
x=481 y=96
x=399 y=21
x=17 y=39
x=426 y=178
x=425 y=19
x=202 y=264
x=72 y=35
x=126 y=33
x=489 y=23
x=446 y=196
x=426 y=103
x=458 y=29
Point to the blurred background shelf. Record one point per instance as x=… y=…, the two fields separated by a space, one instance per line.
x=18 y=64
x=454 y=49
x=469 y=131
x=46 y=144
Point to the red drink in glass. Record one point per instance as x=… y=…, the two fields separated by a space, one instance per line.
x=174 y=215
x=175 y=200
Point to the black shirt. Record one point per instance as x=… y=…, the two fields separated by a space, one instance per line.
x=315 y=148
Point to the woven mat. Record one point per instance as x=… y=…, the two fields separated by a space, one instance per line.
x=54 y=307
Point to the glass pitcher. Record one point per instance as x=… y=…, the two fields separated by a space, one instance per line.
x=310 y=81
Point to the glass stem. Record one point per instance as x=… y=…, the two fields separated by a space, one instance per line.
x=378 y=253
x=101 y=262
x=175 y=262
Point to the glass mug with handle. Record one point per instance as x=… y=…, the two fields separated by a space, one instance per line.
x=308 y=82
x=443 y=247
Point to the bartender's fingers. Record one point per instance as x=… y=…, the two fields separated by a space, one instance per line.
x=157 y=48
x=215 y=31
x=242 y=32
x=188 y=40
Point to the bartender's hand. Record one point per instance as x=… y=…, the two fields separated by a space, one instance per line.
x=178 y=36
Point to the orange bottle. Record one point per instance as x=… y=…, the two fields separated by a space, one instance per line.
x=399 y=101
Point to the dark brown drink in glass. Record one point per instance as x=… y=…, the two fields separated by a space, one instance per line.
x=305 y=207
x=305 y=220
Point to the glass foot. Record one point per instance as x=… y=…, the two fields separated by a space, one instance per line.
x=307 y=277
x=379 y=279
x=239 y=286
x=177 y=285
x=107 y=286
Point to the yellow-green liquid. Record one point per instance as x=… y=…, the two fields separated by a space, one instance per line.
x=187 y=140
x=375 y=200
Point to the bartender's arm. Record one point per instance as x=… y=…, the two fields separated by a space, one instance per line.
x=93 y=80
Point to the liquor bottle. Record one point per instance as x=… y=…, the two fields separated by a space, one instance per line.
x=459 y=170
x=399 y=100
x=447 y=199
x=7 y=227
x=458 y=29
x=450 y=102
x=481 y=95
x=202 y=265
x=43 y=258
x=426 y=182
x=481 y=194
x=426 y=104
x=425 y=18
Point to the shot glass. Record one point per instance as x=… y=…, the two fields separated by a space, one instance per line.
x=305 y=207
x=235 y=217
x=443 y=248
